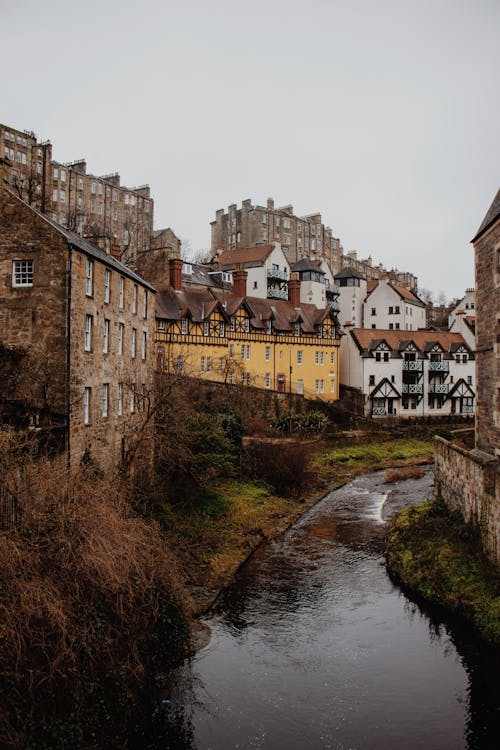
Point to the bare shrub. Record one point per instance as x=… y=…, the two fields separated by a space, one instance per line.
x=285 y=466
x=89 y=603
x=398 y=475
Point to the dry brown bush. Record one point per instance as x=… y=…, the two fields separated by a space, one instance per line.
x=397 y=475
x=89 y=601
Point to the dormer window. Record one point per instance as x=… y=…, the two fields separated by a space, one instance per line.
x=269 y=326
x=410 y=356
x=436 y=357
x=206 y=328
x=297 y=329
x=184 y=326
x=320 y=331
x=247 y=325
x=232 y=324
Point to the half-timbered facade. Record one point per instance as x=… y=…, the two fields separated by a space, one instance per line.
x=274 y=344
x=411 y=373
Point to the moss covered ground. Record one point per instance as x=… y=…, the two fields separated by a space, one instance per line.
x=438 y=557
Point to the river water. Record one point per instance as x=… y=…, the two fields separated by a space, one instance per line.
x=314 y=647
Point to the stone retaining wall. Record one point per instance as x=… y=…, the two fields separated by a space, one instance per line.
x=469 y=482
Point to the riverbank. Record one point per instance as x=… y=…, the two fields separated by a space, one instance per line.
x=435 y=555
x=213 y=539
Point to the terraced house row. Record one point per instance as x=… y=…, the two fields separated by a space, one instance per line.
x=231 y=337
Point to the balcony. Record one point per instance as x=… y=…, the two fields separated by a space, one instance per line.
x=333 y=305
x=332 y=290
x=416 y=366
x=413 y=388
x=274 y=292
x=467 y=410
x=276 y=273
x=439 y=366
x=438 y=388
x=379 y=411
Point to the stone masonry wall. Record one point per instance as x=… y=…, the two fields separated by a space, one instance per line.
x=469 y=482
x=487 y=250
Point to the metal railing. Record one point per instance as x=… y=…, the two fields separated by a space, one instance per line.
x=277 y=273
x=439 y=366
x=276 y=293
x=416 y=388
x=379 y=411
x=413 y=366
x=439 y=388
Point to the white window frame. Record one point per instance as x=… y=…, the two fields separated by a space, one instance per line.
x=86 y=405
x=268 y=353
x=105 y=400
x=300 y=386
x=268 y=379
x=133 y=343
x=144 y=345
x=107 y=285
x=206 y=328
x=89 y=277
x=184 y=326
x=105 y=337
x=119 y=403
x=145 y=305
x=135 y=291
x=300 y=356
x=121 y=301
x=121 y=336
x=88 y=333
x=22 y=271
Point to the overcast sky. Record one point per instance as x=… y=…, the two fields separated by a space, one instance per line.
x=383 y=115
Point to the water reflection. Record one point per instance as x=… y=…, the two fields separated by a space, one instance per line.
x=314 y=647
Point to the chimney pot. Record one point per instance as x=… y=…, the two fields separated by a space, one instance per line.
x=175 y=272
x=240 y=282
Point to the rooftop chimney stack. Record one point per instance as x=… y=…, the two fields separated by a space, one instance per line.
x=294 y=290
x=240 y=281
x=175 y=270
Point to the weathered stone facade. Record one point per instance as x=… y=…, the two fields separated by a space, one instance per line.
x=87 y=324
x=153 y=265
x=469 y=483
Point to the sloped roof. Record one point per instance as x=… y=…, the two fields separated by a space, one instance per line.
x=349 y=273
x=402 y=291
x=492 y=215
x=88 y=247
x=307 y=264
x=173 y=305
x=243 y=255
x=367 y=338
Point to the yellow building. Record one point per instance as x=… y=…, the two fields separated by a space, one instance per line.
x=222 y=336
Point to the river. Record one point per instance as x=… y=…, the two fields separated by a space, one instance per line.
x=313 y=647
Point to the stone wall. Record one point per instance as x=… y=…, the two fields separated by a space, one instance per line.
x=487 y=250
x=469 y=482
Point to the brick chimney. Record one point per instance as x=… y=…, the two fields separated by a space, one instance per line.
x=294 y=290
x=240 y=282
x=115 y=249
x=175 y=269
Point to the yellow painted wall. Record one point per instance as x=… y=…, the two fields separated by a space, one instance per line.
x=245 y=355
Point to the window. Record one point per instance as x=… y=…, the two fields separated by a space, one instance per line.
x=119 y=404
x=268 y=353
x=391 y=326
x=374 y=310
x=93 y=188
x=86 y=405
x=144 y=344
x=297 y=329
x=184 y=326
x=222 y=329
x=245 y=351
x=332 y=358
x=22 y=273
x=134 y=299
x=56 y=173
x=320 y=331
x=232 y=324
x=371 y=380
x=132 y=398
x=63 y=175
x=209 y=364
x=89 y=274
x=320 y=386
x=134 y=341
x=105 y=399
x=121 y=301
x=396 y=310
x=300 y=357
x=263 y=218
x=145 y=305
x=221 y=364
x=121 y=332
x=268 y=379
x=391 y=310
x=469 y=379
x=202 y=364
x=107 y=285
x=255 y=285
x=247 y=325
x=206 y=328
x=319 y=358
x=54 y=196
x=105 y=340
x=300 y=386
x=88 y=333
x=231 y=350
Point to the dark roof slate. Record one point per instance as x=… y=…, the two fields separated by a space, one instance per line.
x=492 y=215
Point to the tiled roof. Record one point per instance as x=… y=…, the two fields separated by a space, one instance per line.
x=257 y=254
x=403 y=292
x=492 y=215
x=367 y=338
x=349 y=273
x=307 y=264
x=199 y=303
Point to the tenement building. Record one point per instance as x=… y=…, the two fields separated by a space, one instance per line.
x=80 y=325
x=99 y=208
x=229 y=336
x=470 y=481
x=299 y=236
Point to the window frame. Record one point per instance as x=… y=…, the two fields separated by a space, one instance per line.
x=20 y=272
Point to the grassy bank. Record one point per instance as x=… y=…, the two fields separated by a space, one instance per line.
x=214 y=536
x=438 y=557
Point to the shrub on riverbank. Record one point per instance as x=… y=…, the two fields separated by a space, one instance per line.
x=437 y=556
x=397 y=475
x=89 y=608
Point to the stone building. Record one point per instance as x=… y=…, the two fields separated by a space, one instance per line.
x=470 y=481
x=83 y=324
x=99 y=208
x=152 y=264
x=233 y=337
x=299 y=236
x=365 y=267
